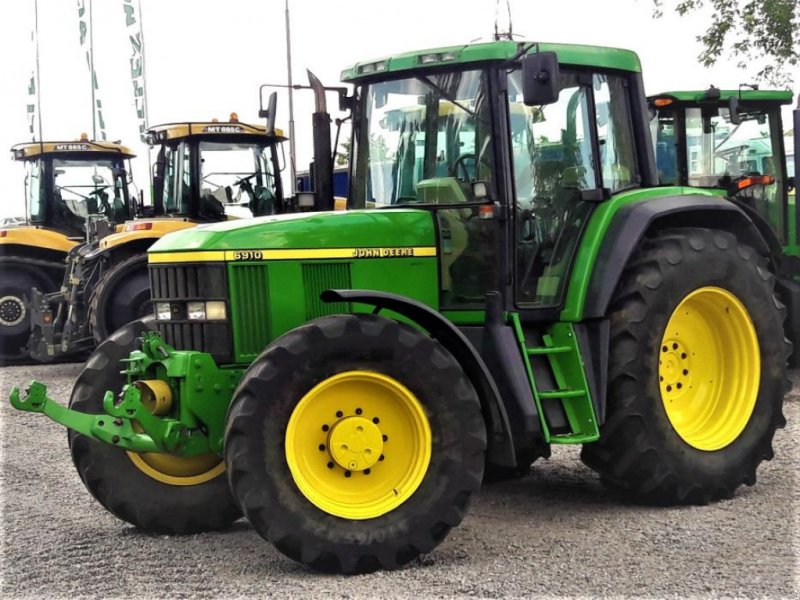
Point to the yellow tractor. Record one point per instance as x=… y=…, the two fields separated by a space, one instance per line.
x=203 y=172
x=73 y=189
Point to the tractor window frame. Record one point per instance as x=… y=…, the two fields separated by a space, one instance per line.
x=548 y=305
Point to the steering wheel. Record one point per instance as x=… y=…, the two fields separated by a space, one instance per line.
x=460 y=163
x=243 y=179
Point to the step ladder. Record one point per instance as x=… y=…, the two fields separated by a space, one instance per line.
x=572 y=390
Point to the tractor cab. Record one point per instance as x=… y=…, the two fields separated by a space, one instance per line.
x=70 y=184
x=215 y=171
x=732 y=141
x=205 y=172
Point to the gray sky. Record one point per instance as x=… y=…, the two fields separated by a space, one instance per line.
x=207 y=58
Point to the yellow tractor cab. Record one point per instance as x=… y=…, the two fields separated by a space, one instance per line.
x=206 y=172
x=73 y=189
x=203 y=172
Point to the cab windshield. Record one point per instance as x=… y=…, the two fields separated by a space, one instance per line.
x=718 y=150
x=424 y=140
x=82 y=188
x=240 y=177
x=235 y=180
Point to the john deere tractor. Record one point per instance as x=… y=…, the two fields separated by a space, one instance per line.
x=732 y=142
x=204 y=172
x=67 y=186
x=344 y=379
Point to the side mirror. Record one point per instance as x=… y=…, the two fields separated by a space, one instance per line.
x=733 y=108
x=540 y=78
x=269 y=113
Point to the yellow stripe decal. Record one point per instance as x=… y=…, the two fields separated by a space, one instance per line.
x=314 y=254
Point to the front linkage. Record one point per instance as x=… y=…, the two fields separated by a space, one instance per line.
x=146 y=418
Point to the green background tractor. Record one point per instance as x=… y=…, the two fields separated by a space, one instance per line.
x=520 y=280
x=698 y=143
x=67 y=185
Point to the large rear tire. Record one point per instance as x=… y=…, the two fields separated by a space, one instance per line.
x=122 y=295
x=697 y=370
x=156 y=492
x=354 y=443
x=15 y=320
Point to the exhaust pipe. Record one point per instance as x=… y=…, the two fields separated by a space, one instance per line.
x=322 y=171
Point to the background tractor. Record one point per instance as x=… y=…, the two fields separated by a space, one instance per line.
x=204 y=172
x=734 y=142
x=344 y=379
x=73 y=189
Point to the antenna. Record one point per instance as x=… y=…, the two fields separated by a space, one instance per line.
x=507 y=35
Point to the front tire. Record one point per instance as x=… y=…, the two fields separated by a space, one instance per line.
x=121 y=296
x=697 y=370
x=156 y=492
x=342 y=499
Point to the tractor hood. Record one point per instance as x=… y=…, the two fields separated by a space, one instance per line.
x=350 y=232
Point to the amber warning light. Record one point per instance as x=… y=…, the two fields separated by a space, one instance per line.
x=138 y=226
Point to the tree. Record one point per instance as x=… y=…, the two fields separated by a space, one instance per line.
x=343 y=153
x=759 y=33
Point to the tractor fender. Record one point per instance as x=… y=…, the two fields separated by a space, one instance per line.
x=124 y=250
x=633 y=221
x=501 y=448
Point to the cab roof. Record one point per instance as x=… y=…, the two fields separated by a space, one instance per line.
x=573 y=54
x=699 y=96
x=81 y=148
x=210 y=129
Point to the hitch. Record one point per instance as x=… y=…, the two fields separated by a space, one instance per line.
x=104 y=428
x=127 y=424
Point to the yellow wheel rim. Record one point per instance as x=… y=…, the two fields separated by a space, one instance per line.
x=709 y=368
x=178 y=470
x=358 y=445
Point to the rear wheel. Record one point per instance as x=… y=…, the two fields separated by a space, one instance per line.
x=122 y=295
x=354 y=443
x=697 y=370
x=157 y=492
x=15 y=321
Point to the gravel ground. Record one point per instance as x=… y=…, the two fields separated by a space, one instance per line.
x=556 y=532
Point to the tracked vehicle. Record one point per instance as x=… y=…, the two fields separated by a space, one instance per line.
x=345 y=379
x=69 y=186
x=204 y=172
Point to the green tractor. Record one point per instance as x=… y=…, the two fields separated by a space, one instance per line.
x=500 y=285
x=732 y=142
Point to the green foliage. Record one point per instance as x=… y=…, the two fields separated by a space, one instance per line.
x=756 y=32
x=343 y=153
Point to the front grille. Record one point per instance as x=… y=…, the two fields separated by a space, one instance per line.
x=184 y=283
x=249 y=301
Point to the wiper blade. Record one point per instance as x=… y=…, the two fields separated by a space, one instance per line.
x=445 y=94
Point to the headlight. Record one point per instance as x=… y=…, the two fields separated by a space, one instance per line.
x=196 y=310
x=163 y=312
x=215 y=311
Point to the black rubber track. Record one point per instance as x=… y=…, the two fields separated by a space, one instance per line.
x=14 y=339
x=256 y=427
x=122 y=295
x=639 y=453
x=115 y=481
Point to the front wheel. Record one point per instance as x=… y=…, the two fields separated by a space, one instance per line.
x=154 y=491
x=697 y=370
x=354 y=443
